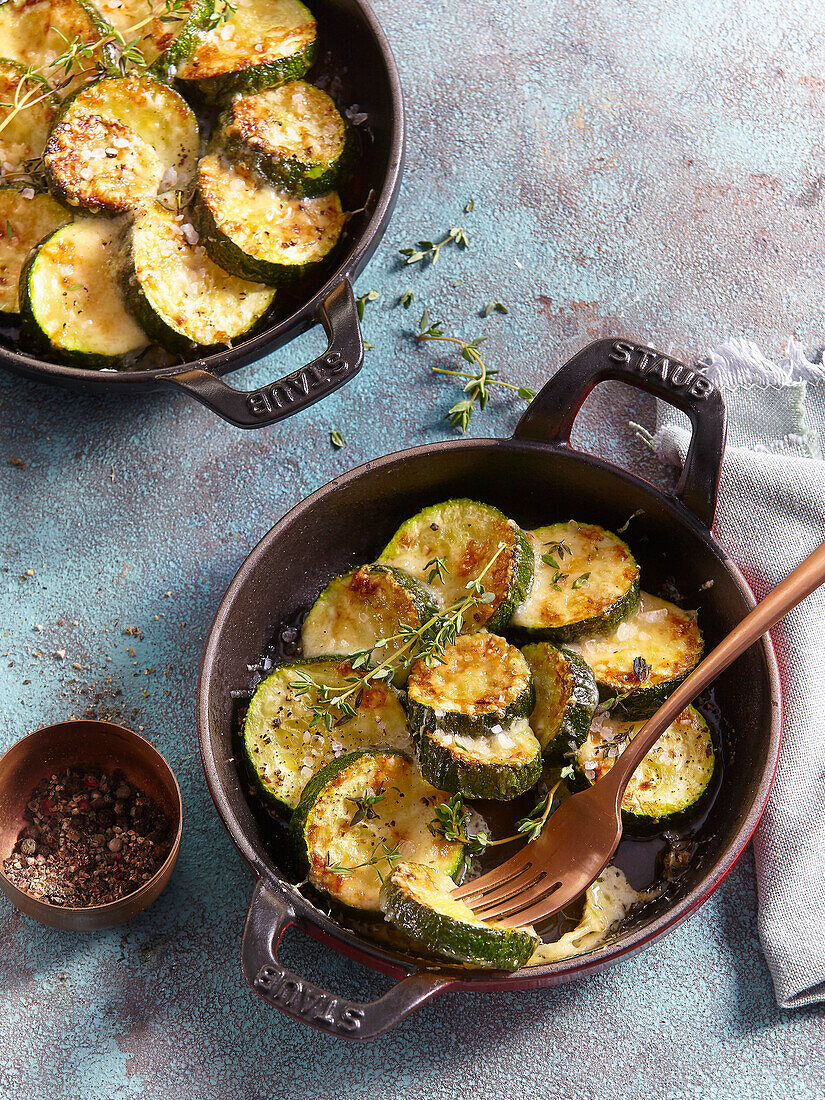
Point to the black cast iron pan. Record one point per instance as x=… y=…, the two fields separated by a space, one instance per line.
x=536 y=478
x=356 y=66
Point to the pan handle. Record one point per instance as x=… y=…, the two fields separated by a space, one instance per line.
x=277 y=400
x=268 y=918
x=551 y=414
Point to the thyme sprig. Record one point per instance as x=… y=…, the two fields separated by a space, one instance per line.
x=110 y=54
x=478 y=385
x=390 y=855
x=335 y=705
x=428 y=249
x=452 y=818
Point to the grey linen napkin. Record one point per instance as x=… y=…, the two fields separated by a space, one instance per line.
x=771 y=514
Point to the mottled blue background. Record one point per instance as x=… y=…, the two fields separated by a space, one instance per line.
x=652 y=169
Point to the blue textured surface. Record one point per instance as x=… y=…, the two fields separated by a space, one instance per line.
x=650 y=169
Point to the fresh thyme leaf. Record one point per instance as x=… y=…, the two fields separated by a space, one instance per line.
x=470 y=206
x=406 y=299
x=450 y=821
x=361 y=301
x=9 y=230
x=336 y=439
x=526 y=393
x=548 y=559
x=494 y=307
x=365 y=804
x=437 y=570
x=432 y=250
x=560 y=548
x=390 y=855
x=77 y=286
x=567 y=772
x=531 y=825
x=580 y=580
x=642 y=669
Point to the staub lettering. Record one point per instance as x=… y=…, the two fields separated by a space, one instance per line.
x=304 y=1000
x=292 y=389
x=673 y=373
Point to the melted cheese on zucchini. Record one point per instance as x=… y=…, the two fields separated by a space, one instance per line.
x=24 y=222
x=598 y=563
x=667 y=638
x=185 y=288
x=286 y=749
x=155 y=37
x=74 y=293
x=433 y=889
x=466 y=535
x=121 y=140
x=24 y=136
x=480 y=674
x=265 y=223
x=516 y=746
x=401 y=822
x=607 y=901
x=672 y=776
x=296 y=120
x=357 y=609
x=36 y=33
x=259 y=31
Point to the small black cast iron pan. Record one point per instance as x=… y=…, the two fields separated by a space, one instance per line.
x=537 y=478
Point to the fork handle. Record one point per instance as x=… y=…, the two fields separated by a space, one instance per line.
x=805 y=579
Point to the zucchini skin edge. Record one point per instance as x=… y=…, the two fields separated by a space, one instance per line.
x=603 y=623
x=498 y=782
x=253 y=78
x=489 y=947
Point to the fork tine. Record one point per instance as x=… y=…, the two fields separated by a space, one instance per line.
x=540 y=889
x=529 y=876
x=533 y=910
x=504 y=873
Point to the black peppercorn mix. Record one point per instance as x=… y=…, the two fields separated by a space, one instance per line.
x=91 y=838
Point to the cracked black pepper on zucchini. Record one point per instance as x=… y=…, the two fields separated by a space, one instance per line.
x=488 y=721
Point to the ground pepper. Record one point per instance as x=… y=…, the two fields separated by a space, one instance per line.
x=90 y=838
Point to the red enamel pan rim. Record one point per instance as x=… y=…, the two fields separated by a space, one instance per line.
x=327 y=931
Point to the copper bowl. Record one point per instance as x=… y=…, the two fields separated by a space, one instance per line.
x=83 y=743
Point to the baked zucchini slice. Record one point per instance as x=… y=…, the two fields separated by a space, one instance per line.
x=417 y=899
x=358 y=609
x=258 y=232
x=34 y=34
x=164 y=43
x=499 y=766
x=263 y=43
x=667 y=787
x=358 y=817
x=465 y=535
x=23 y=137
x=479 y=685
x=566 y=699
x=293 y=135
x=585 y=582
x=70 y=300
x=646 y=657
x=24 y=222
x=282 y=747
x=179 y=296
x=119 y=141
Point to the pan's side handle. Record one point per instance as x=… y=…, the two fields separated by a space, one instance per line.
x=268 y=918
x=277 y=400
x=552 y=412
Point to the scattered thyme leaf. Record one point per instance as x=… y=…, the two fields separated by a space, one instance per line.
x=406 y=299
x=336 y=439
x=437 y=570
x=580 y=580
x=432 y=250
x=361 y=301
x=365 y=804
x=470 y=206
x=494 y=307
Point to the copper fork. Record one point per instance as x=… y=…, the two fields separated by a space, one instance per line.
x=583 y=833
